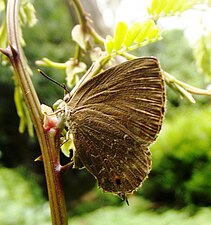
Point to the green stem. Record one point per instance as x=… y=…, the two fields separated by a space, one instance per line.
x=49 y=141
x=80 y=13
x=84 y=21
x=93 y=70
x=97 y=38
x=49 y=63
x=191 y=89
x=77 y=52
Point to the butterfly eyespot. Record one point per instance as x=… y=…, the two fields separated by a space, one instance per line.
x=117 y=180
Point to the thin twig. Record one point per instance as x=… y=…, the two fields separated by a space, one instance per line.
x=49 y=141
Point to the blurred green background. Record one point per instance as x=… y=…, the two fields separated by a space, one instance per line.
x=178 y=190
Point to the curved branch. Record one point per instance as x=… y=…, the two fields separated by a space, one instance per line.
x=184 y=89
x=49 y=141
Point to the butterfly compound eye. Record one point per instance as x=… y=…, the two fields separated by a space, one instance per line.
x=67 y=97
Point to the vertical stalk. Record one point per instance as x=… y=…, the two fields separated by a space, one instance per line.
x=49 y=141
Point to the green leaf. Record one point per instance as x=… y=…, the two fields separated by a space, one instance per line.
x=19 y=107
x=153 y=34
x=73 y=69
x=22 y=111
x=190 y=5
x=29 y=12
x=68 y=145
x=2 y=5
x=132 y=34
x=3 y=32
x=177 y=7
x=109 y=44
x=145 y=30
x=161 y=8
x=119 y=36
x=170 y=7
x=3 y=35
x=202 y=54
x=80 y=36
x=155 y=7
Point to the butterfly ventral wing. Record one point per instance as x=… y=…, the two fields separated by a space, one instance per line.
x=114 y=118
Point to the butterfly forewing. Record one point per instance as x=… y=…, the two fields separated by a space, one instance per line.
x=114 y=118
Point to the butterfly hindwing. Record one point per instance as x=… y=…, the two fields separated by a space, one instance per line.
x=114 y=118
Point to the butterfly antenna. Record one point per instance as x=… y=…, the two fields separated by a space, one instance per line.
x=54 y=81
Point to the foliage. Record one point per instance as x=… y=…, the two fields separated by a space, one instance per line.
x=139 y=34
x=22 y=111
x=49 y=37
x=139 y=212
x=20 y=200
x=21 y=203
x=161 y=8
x=125 y=39
x=203 y=55
x=27 y=18
x=94 y=200
x=90 y=47
x=182 y=161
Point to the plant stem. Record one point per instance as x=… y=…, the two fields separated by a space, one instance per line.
x=84 y=21
x=80 y=12
x=49 y=141
x=191 y=89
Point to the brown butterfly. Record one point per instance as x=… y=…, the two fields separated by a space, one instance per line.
x=114 y=118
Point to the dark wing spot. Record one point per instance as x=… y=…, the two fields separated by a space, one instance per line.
x=117 y=180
